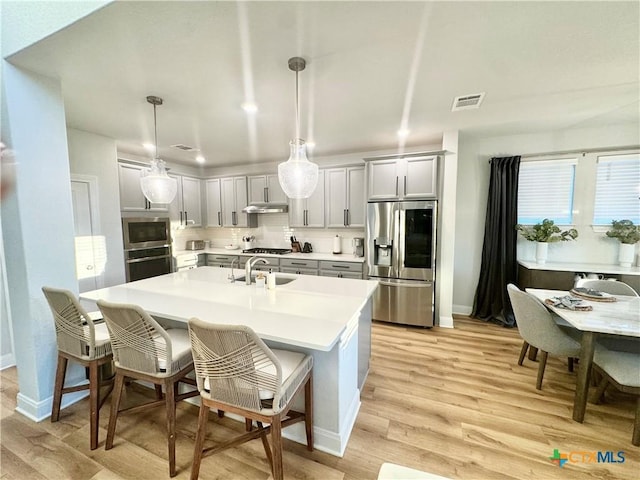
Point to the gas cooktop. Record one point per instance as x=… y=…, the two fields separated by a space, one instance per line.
x=277 y=251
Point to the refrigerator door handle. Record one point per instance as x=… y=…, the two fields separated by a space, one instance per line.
x=410 y=285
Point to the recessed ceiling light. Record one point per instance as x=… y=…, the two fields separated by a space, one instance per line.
x=149 y=146
x=404 y=132
x=250 y=107
x=200 y=159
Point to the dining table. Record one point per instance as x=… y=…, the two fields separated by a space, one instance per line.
x=619 y=315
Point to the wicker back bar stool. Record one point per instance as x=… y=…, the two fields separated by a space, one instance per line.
x=143 y=350
x=237 y=372
x=80 y=340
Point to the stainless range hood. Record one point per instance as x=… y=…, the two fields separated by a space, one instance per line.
x=266 y=208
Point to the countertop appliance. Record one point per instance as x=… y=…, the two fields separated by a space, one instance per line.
x=358 y=247
x=195 y=245
x=401 y=251
x=147 y=247
x=276 y=251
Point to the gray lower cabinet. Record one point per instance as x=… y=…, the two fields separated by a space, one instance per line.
x=341 y=269
x=223 y=261
x=301 y=267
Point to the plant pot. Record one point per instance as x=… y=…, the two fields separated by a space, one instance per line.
x=541 y=252
x=626 y=254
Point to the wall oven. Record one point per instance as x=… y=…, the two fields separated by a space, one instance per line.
x=147 y=247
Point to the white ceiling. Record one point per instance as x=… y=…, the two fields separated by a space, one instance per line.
x=543 y=65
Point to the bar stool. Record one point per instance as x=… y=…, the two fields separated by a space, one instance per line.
x=82 y=341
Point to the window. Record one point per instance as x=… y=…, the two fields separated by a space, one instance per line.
x=545 y=190
x=617 y=189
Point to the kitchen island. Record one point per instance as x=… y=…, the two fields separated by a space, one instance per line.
x=327 y=318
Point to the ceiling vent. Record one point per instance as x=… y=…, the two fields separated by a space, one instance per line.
x=467 y=102
x=185 y=148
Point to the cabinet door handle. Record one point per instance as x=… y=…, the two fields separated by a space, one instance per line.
x=186 y=222
x=305 y=217
x=220 y=218
x=347 y=224
x=266 y=194
x=233 y=218
x=180 y=217
x=344 y=217
x=396 y=186
x=299 y=263
x=405 y=186
x=339 y=266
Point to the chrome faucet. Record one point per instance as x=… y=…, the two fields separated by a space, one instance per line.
x=249 y=265
x=231 y=276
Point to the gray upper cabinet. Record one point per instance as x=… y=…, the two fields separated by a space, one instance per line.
x=131 y=197
x=234 y=199
x=213 y=202
x=345 y=200
x=309 y=212
x=402 y=178
x=186 y=208
x=265 y=189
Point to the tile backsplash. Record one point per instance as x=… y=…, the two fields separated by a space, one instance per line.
x=273 y=231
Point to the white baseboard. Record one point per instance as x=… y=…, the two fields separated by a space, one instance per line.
x=445 y=321
x=7 y=360
x=462 y=309
x=38 y=411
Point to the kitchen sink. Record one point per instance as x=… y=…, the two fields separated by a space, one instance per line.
x=279 y=280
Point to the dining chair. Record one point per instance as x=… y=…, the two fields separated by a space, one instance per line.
x=611 y=287
x=82 y=341
x=538 y=329
x=622 y=370
x=143 y=350
x=237 y=372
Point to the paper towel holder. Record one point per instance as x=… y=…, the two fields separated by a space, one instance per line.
x=337 y=244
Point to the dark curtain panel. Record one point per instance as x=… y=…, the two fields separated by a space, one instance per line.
x=499 y=266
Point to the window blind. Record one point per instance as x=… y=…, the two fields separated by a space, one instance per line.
x=617 y=189
x=545 y=190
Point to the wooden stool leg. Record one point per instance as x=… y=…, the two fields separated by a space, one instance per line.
x=533 y=353
x=61 y=372
x=308 y=412
x=170 y=397
x=267 y=448
x=94 y=404
x=541 y=367
x=570 y=365
x=200 y=435
x=599 y=395
x=276 y=447
x=635 y=439
x=523 y=352
x=158 y=392
x=115 y=406
x=248 y=424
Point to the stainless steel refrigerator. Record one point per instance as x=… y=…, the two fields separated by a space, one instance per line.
x=401 y=252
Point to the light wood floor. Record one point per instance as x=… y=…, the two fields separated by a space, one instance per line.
x=449 y=401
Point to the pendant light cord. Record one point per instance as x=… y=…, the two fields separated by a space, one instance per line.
x=297 y=110
x=155 y=130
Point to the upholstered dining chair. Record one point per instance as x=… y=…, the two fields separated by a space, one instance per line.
x=82 y=341
x=143 y=350
x=622 y=370
x=237 y=372
x=610 y=286
x=538 y=329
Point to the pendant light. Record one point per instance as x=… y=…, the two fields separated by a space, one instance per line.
x=298 y=176
x=156 y=185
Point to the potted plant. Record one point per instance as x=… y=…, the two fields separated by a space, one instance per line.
x=543 y=234
x=628 y=234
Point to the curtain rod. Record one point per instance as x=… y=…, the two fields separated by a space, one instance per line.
x=582 y=151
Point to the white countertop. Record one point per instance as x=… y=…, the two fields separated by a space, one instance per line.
x=581 y=267
x=341 y=257
x=311 y=312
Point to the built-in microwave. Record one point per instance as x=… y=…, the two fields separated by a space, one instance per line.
x=146 y=232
